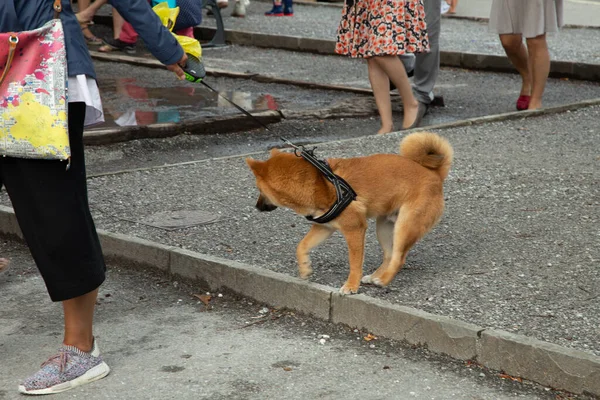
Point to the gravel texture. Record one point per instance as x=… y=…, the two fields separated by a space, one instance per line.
x=517 y=249
x=461 y=90
x=571 y=44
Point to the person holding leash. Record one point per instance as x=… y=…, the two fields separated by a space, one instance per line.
x=51 y=203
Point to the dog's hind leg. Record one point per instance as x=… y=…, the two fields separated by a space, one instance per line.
x=412 y=224
x=315 y=236
x=385 y=236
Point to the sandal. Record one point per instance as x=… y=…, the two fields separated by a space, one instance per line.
x=92 y=40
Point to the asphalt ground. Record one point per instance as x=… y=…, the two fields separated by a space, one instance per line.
x=517 y=248
x=321 y=22
x=162 y=342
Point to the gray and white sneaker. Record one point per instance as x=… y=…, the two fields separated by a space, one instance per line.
x=239 y=10
x=66 y=370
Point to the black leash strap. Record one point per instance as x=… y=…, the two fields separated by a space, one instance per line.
x=344 y=192
x=236 y=106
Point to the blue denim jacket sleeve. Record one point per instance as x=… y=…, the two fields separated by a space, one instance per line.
x=161 y=43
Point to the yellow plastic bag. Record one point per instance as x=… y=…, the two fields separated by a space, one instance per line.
x=168 y=16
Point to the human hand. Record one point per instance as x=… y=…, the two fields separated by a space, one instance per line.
x=176 y=68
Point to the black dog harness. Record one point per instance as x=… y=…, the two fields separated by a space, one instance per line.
x=344 y=192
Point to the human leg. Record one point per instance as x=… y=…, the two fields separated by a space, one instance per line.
x=380 y=84
x=392 y=69
x=118 y=22
x=85 y=21
x=86 y=14
x=539 y=61
x=518 y=55
x=277 y=10
x=124 y=40
x=52 y=208
x=427 y=65
x=453 y=4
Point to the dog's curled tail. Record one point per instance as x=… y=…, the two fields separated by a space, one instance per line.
x=430 y=150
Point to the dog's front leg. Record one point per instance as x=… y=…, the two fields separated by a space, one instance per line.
x=355 y=238
x=317 y=235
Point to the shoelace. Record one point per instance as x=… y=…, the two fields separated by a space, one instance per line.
x=59 y=359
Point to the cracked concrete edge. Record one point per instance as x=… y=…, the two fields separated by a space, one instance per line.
x=466 y=60
x=542 y=362
x=545 y=363
x=205 y=126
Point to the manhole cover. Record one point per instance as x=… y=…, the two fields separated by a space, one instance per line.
x=171 y=220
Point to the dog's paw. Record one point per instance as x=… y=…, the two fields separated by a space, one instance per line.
x=346 y=289
x=370 y=279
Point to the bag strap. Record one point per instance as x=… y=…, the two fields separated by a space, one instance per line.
x=57 y=8
x=13 y=40
x=12 y=46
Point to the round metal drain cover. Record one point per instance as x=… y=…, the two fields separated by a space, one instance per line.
x=171 y=220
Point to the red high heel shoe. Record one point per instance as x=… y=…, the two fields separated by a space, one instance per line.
x=523 y=102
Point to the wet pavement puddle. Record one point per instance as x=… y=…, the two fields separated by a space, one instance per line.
x=129 y=103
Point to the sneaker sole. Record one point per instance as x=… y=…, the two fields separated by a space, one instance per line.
x=94 y=374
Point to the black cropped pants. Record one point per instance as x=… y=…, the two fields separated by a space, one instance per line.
x=51 y=205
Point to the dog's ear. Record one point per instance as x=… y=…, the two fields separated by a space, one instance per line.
x=256 y=166
x=274 y=151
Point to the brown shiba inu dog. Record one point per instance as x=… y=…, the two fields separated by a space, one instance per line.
x=403 y=192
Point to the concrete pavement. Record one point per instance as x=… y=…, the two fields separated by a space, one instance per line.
x=161 y=342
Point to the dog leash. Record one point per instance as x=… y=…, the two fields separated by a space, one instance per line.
x=344 y=192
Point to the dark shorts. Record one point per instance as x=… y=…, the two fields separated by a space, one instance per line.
x=51 y=205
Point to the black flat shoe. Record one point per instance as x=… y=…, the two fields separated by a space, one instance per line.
x=421 y=111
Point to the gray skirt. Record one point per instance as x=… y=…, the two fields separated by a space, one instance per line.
x=530 y=18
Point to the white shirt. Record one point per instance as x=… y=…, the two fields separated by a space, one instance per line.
x=84 y=89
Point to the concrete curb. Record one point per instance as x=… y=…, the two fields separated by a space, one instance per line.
x=475 y=61
x=547 y=364
x=206 y=126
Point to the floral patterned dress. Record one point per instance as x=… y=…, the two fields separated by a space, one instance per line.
x=382 y=27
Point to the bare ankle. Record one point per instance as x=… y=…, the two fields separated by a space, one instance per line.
x=385 y=128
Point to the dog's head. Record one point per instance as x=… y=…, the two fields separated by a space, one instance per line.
x=277 y=180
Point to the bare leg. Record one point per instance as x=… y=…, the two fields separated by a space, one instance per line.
x=79 y=316
x=118 y=22
x=539 y=60
x=453 y=4
x=83 y=4
x=382 y=69
x=380 y=83
x=518 y=56
x=394 y=69
x=86 y=14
